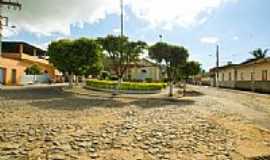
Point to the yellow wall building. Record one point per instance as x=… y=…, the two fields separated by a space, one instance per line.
x=251 y=75
x=16 y=57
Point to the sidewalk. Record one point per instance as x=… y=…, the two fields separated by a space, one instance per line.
x=35 y=86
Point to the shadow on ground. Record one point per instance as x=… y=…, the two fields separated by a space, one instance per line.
x=78 y=103
x=34 y=94
x=161 y=102
x=193 y=94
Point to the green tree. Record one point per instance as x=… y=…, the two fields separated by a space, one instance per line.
x=121 y=52
x=174 y=57
x=33 y=70
x=259 y=53
x=191 y=68
x=88 y=55
x=74 y=57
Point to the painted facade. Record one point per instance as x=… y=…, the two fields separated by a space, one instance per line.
x=14 y=61
x=250 y=75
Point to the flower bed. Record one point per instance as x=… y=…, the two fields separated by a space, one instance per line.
x=125 y=86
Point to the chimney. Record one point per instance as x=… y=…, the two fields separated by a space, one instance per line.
x=230 y=63
x=35 y=52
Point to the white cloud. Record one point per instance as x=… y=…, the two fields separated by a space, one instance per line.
x=56 y=16
x=209 y=40
x=46 y=17
x=235 y=38
x=169 y=13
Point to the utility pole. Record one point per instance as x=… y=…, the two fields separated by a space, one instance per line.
x=4 y=20
x=122 y=18
x=217 y=66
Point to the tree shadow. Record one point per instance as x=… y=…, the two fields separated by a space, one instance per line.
x=34 y=93
x=78 y=103
x=161 y=102
x=193 y=94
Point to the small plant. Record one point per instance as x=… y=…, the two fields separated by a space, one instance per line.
x=149 y=80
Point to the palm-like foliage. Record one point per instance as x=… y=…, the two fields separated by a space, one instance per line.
x=259 y=53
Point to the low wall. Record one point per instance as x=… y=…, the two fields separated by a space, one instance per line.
x=32 y=79
x=262 y=86
x=244 y=85
x=259 y=86
x=227 y=84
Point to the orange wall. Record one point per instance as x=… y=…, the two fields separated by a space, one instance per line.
x=20 y=65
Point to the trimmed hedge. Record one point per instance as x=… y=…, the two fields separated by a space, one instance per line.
x=125 y=85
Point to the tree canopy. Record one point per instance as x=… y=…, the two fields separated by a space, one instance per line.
x=76 y=57
x=121 y=52
x=259 y=53
x=175 y=58
x=33 y=70
x=191 y=68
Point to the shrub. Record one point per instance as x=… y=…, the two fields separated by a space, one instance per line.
x=126 y=85
x=104 y=75
x=114 y=78
x=149 y=80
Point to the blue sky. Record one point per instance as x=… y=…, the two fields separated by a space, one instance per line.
x=238 y=26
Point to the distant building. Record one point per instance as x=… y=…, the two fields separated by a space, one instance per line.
x=253 y=75
x=143 y=70
x=16 y=57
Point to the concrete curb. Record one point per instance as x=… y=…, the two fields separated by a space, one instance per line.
x=123 y=91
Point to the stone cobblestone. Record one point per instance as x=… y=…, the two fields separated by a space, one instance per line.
x=65 y=126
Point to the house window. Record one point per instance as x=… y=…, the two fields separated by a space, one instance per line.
x=144 y=71
x=242 y=76
x=230 y=76
x=252 y=76
x=264 y=75
x=223 y=76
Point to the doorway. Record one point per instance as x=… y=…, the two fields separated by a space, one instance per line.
x=13 y=76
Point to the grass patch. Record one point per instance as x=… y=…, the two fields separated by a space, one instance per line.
x=104 y=84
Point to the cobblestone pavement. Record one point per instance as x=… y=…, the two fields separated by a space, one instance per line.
x=51 y=124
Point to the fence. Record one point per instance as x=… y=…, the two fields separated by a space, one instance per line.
x=33 y=79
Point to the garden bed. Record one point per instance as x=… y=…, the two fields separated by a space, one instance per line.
x=125 y=87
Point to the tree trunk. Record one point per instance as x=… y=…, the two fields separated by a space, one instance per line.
x=70 y=79
x=77 y=80
x=116 y=91
x=185 y=88
x=171 y=89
